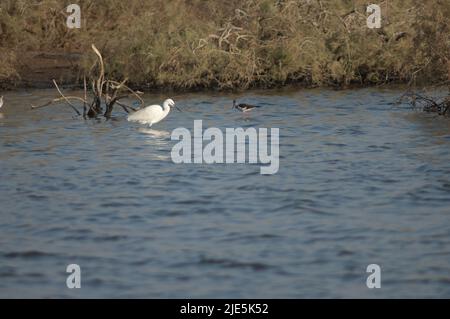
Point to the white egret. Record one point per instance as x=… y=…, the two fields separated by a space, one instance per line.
x=1 y=101
x=152 y=114
x=244 y=107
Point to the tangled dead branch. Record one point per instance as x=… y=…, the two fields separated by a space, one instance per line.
x=427 y=103
x=424 y=101
x=106 y=93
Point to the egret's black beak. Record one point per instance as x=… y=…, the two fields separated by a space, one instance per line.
x=178 y=109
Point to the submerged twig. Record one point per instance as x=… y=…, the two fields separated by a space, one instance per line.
x=85 y=98
x=56 y=100
x=126 y=107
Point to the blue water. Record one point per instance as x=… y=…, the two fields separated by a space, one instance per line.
x=361 y=181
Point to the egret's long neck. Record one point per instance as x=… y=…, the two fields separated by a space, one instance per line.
x=166 y=107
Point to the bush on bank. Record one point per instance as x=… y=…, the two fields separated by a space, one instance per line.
x=194 y=44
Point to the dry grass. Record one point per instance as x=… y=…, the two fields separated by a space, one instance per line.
x=193 y=44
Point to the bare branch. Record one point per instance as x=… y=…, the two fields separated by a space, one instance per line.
x=104 y=91
x=135 y=93
x=102 y=70
x=66 y=99
x=56 y=100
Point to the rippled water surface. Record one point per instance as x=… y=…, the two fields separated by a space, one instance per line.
x=360 y=182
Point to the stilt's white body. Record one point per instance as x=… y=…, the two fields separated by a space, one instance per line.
x=152 y=114
x=1 y=101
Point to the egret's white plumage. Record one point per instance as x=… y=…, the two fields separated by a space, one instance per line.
x=152 y=114
x=1 y=101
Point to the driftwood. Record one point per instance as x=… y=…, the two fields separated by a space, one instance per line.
x=425 y=102
x=106 y=93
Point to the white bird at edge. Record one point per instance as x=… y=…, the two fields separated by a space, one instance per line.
x=152 y=114
x=1 y=101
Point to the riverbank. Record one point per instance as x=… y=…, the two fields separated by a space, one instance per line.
x=194 y=45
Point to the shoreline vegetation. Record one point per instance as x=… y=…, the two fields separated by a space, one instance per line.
x=190 y=45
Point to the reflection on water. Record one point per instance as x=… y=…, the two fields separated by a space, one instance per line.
x=360 y=182
x=157 y=138
x=162 y=135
